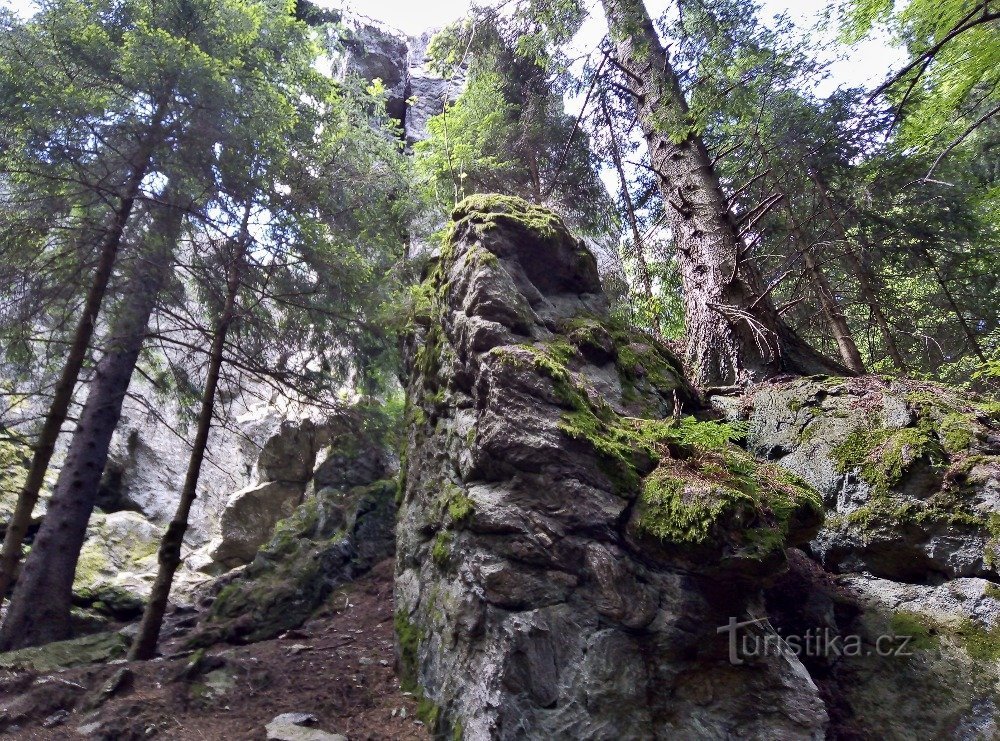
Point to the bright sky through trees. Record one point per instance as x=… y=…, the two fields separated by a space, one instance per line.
x=868 y=65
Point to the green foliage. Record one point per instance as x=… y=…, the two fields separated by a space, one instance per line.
x=507 y=132
x=953 y=81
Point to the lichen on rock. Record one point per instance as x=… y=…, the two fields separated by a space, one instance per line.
x=909 y=471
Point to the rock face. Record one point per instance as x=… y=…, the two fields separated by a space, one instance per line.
x=909 y=472
x=910 y=476
x=428 y=92
x=337 y=534
x=569 y=540
x=368 y=49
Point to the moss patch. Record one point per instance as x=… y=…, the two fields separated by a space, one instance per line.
x=441 y=550
x=981 y=643
x=694 y=483
x=913 y=625
x=882 y=455
x=489 y=210
x=409 y=637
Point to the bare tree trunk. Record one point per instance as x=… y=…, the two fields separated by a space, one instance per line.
x=835 y=318
x=735 y=333
x=866 y=284
x=144 y=645
x=40 y=605
x=640 y=255
x=17 y=528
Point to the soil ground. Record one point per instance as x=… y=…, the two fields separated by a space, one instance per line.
x=339 y=667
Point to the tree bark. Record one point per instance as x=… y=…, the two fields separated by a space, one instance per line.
x=735 y=333
x=40 y=605
x=17 y=528
x=835 y=318
x=144 y=645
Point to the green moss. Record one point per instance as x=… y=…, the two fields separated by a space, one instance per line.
x=489 y=210
x=677 y=514
x=956 y=433
x=914 y=626
x=457 y=731
x=409 y=637
x=992 y=591
x=441 y=550
x=882 y=455
x=981 y=643
x=460 y=507
x=428 y=711
x=726 y=495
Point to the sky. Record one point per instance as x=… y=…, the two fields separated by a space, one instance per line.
x=867 y=64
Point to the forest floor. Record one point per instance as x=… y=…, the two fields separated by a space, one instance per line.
x=339 y=667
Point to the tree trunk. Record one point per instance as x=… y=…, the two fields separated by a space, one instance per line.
x=866 y=284
x=835 y=318
x=640 y=256
x=735 y=334
x=17 y=528
x=950 y=298
x=144 y=645
x=40 y=605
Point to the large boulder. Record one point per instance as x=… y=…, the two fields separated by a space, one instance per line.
x=92 y=649
x=569 y=539
x=250 y=517
x=117 y=564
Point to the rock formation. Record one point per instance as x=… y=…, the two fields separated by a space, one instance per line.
x=569 y=538
x=910 y=477
x=341 y=530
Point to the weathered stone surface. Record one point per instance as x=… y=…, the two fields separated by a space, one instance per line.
x=249 y=518
x=330 y=539
x=117 y=564
x=927 y=659
x=909 y=471
x=429 y=92
x=100 y=647
x=298 y=727
x=566 y=548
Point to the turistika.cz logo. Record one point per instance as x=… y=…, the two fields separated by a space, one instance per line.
x=755 y=639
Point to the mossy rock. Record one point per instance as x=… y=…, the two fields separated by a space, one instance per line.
x=91 y=649
x=329 y=540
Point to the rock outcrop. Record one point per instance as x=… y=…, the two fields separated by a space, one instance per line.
x=569 y=538
x=344 y=526
x=910 y=477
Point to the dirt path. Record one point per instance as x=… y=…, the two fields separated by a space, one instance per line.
x=339 y=667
